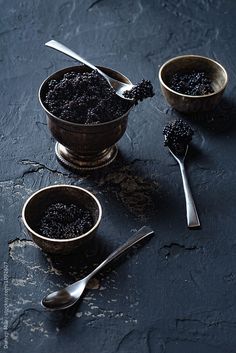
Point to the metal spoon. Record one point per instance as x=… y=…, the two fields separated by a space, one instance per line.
x=118 y=86
x=192 y=216
x=68 y=296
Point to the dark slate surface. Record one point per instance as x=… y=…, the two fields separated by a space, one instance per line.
x=175 y=294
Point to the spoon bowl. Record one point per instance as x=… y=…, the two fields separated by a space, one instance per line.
x=64 y=298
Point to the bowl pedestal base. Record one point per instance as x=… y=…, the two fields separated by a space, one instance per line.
x=85 y=162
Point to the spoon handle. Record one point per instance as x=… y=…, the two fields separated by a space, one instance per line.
x=192 y=216
x=139 y=235
x=63 y=49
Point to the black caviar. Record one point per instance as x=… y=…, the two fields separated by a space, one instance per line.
x=139 y=92
x=65 y=221
x=193 y=83
x=178 y=135
x=87 y=98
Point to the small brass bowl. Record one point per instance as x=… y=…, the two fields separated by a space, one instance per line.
x=80 y=146
x=37 y=203
x=187 y=63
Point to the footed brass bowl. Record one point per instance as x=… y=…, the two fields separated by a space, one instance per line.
x=186 y=63
x=37 y=203
x=80 y=146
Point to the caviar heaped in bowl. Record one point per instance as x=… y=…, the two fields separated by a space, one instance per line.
x=63 y=220
x=192 y=83
x=84 y=98
x=87 y=98
x=86 y=140
x=60 y=218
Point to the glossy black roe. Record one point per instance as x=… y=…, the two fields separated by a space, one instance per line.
x=142 y=90
x=61 y=221
x=84 y=98
x=193 y=83
x=178 y=135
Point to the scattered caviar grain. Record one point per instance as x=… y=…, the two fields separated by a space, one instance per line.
x=178 y=135
x=193 y=83
x=62 y=221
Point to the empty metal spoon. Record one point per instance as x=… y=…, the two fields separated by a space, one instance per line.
x=119 y=87
x=68 y=296
x=191 y=211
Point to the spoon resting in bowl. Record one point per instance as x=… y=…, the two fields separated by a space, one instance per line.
x=119 y=87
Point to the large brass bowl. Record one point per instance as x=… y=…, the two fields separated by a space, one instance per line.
x=80 y=146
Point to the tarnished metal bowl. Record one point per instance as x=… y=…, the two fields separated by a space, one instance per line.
x=81 y=146
x=37 y=203
x=186 y=63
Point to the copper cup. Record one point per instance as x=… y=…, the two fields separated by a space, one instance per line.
x=80 y=146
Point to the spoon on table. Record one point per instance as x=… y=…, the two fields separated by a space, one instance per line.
x=68 y=296
x=192 y=216
x=118 y=86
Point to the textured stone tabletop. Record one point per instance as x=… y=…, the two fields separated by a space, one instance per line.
x=177 y=293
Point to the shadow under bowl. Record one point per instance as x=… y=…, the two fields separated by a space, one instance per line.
x=37 y=203
x=84 y=146
x=186 y=64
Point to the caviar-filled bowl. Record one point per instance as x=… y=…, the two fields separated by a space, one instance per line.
x=82 y=142
x=60 y=218
x=192 y=83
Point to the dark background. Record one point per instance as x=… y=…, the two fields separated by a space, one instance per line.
x=176 y=293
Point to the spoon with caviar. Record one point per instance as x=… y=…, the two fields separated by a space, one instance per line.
x=126 y=91
x=178 y=136
x=68 y=296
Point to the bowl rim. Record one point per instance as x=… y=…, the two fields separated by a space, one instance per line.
x=53 y=240
x=193 y=56
x=70 y=123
